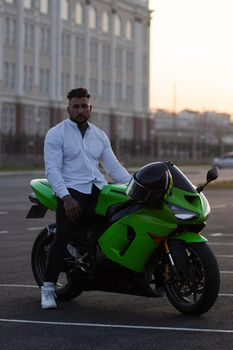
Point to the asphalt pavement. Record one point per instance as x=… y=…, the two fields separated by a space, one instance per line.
x=97 y=320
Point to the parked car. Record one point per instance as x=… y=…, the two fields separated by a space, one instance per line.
x=225 y=161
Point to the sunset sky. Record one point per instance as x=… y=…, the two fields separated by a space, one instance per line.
x=192 y=55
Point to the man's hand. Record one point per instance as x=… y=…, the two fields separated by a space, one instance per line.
x=72 y=207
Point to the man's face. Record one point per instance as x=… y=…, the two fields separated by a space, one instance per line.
x=79 y=109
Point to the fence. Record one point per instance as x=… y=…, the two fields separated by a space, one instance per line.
x=27 y=152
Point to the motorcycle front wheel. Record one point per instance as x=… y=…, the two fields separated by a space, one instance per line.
x=195 y=293
x=65 y=288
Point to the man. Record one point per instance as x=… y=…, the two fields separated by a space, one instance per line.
x=73 y=150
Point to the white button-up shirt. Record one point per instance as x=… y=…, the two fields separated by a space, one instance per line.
x=72 y=161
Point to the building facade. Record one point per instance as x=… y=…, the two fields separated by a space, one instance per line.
x=191 y=136
x=48 y=47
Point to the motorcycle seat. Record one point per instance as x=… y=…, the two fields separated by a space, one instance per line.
x=115 y=208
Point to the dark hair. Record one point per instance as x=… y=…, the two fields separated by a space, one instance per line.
x=79 y=92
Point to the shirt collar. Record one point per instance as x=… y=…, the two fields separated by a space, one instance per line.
x=75 y=124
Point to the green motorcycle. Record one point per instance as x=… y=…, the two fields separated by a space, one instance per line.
x=148 y=238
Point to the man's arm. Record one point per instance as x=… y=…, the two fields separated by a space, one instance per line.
x=53 y=154
x=111 y=164
x=72 y=207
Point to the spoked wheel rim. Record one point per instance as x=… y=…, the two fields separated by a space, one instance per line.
x=190 y=289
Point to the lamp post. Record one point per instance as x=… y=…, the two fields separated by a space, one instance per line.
x=37 y=121
x=152 y=142
x=0 y=148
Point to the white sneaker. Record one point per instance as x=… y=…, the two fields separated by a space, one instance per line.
x=48 y=298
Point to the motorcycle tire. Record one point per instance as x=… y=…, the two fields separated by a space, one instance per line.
x=197 y=293
x=65 y=291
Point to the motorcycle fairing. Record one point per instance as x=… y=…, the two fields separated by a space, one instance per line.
x=190 y=237
x=117 y=246
x=44 y=193
x=111 y=194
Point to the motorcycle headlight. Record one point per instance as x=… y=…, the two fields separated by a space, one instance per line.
x=181 y=213
x=205 y=205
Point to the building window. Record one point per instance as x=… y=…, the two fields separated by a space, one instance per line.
x=93 y=88
x=127 y=130
x=28 y=36
x=106 y=90
x=30 y=123
x=10 y=31
x=78 y=13
x=105 y=22
x=8 y=120
x=129 y=61
x=45 y=40
x=118 y=90
x=117 y=28
x=92 y=18
x=28 y=78
x=79 y=80
x=65 y=45
x=44 y=6
x=43 y=121
x=64 y=10
x=129 y=30
x=36 y=124
x=106 y=55
x=44 y=81
x=144 y=96
x=119 y=58
x=145 y=64
x=79 y=48
x=10 y=75
x=129 y=95
x=94 y=52
x=27 y=4
x=65 y=83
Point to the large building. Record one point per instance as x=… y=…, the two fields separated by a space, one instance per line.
x=50 y=46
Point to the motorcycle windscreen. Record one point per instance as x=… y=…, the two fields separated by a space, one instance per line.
x=180 y=180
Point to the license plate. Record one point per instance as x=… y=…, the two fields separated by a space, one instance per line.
x=36 y=211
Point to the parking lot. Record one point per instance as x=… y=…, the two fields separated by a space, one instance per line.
x=98 y=320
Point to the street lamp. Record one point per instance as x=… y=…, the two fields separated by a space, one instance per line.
x=37 y=121
x=152 y=142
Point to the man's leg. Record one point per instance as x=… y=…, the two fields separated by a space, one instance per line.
x=64 y=231
x=57 y=251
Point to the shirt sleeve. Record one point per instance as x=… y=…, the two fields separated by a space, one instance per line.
x=53 y=153
x=111 y=165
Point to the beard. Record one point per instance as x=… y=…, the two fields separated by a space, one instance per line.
x=79 y=119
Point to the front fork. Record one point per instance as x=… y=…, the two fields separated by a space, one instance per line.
x=171 y=261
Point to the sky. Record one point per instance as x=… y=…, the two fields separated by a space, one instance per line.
x=191 y=55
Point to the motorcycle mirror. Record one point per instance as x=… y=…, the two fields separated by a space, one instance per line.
x=212 y=174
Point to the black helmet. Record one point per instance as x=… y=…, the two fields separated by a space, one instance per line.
x=151 y=184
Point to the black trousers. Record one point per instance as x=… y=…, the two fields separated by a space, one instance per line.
x=66 y=228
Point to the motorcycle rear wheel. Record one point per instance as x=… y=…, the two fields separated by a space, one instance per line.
x=198 y=291
x=65 y=288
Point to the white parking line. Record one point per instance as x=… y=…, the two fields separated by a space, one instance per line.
x=219 y=243
x=102 y=325
x=226 y=271
x=35 y=286
x=218 y=206
x=3 y=212
x=35 y=228
x=224 y=256
x=217 y=234
x=18 y=285
x=3 y=232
